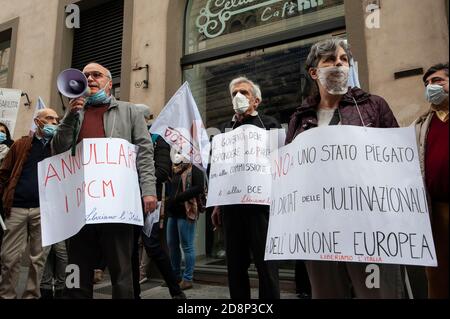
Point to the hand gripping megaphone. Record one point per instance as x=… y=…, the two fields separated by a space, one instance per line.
x=72 y=84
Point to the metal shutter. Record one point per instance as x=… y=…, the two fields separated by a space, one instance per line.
x=99 y=38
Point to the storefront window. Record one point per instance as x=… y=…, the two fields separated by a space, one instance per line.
x=278 y=70
x=215 y=23
x=225 y=39
x=280 y=73
x=5 y=49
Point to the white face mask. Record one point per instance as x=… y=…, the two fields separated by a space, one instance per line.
x=240 y=103
x=178 y=159
x=334 y=79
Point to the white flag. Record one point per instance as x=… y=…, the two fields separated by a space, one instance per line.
x=353 y=77
x=39 y=106
x=181 y=126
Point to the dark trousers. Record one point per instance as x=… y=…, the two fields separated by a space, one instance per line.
x=154 y=249
x=1 y=229
x=302 y=284
x=135 y=262
x=209 y=233
x=1 y=241
x=115 y=242
x=245 y=228
x=438 y=276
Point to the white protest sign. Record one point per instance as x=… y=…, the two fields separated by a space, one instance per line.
x=98 y=185
x=351 y=194
x=9 y=106
x=151 y=219
x=240 y=166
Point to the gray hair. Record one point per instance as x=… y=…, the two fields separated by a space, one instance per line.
x=40 y=112
x=108 y=73
x=326 y=48
x=256 y=91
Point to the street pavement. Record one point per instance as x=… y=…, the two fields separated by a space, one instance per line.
x=152 y=289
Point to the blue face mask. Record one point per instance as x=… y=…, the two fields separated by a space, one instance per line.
x=49 y=131
x=99 y=98
x=2 y=137
x=435 y=94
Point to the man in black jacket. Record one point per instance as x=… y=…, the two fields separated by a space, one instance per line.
x=153 y=244
x=245 y=226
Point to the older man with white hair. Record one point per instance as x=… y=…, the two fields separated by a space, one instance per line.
x=20 y=194
x=245 y=226
x=100 y=115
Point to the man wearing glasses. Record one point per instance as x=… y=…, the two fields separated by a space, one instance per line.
x=100 y=115
x=20 y=195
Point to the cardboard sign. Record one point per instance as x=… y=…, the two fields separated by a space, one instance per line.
x=98 y=185
x=9 y=106
x=240 y=166
x=351 y=194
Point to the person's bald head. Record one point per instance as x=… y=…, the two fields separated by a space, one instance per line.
x=98 y=67
x=49 y=115
x=98 y=77
x=43 y=117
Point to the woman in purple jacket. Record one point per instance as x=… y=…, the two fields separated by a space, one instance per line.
x=332 y=102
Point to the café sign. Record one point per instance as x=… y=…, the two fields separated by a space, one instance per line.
x=214 y=16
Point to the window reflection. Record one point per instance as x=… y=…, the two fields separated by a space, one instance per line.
x=4 y=62
x=212 y=24
x=279 y=71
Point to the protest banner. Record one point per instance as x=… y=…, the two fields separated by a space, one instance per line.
x=97 y=185
x=181 y=126
x=351 y=194
x=240 y=166
x=151 y=219
x=9 y=106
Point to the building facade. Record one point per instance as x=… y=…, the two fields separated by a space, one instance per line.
x=152 y=47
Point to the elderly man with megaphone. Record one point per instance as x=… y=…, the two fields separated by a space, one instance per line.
x=95 y=113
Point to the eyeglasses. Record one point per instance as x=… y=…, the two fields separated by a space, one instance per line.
x=94 y=74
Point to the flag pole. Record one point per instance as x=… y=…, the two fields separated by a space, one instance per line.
x=2 y=223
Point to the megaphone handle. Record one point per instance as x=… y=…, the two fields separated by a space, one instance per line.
x=75 y=135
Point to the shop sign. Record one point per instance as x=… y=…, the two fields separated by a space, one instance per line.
x=213 y=18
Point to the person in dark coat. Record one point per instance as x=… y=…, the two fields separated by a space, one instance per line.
x=5 y=144
x=245 y=226
x=187 y=183
x=432 y=140
x=154 y=245
x=332 y=102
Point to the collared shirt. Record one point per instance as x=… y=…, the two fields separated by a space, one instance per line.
x=442 y=114
x=42 y=139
